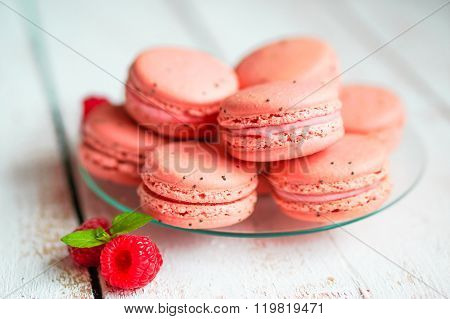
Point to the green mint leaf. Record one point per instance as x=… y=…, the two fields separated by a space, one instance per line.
x=102 y=235
x=127 y=222
x=85 y=238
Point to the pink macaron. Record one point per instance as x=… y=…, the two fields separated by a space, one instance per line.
x=177 y=91
x=194 y=185
x=301 y=59
x=280 y=120
x=373 y=111
x=346 y=180
x=113 y=146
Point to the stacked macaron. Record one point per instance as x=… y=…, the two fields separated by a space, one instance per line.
x=177 y=92
x=113 y=146
x=373 y=111
x=280 y=120
x=289 y=114
x=299 y=59
x=195 y=185
x=286 y=123
x=348 y=179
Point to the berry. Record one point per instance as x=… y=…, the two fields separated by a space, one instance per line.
x=89 y=257
x=130 y=262
x=90 y=103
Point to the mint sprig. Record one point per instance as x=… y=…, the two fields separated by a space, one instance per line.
x=122 y=224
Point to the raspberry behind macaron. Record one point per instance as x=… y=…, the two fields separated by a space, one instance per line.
x=91 y=102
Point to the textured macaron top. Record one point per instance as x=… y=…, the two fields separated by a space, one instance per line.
x=183 y=76
x=354 y=158
x=369 y=108
x=110 y=128
x=197 y=172
x=299 y=58
x=278 y=103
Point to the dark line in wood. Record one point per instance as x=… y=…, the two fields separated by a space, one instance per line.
x=95 y=283
x=43 y=67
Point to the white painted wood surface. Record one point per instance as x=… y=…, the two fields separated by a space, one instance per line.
x=35 y=205
x=414 y=233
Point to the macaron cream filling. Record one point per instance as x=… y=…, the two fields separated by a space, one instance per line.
x=267 y=131
x=147 y=190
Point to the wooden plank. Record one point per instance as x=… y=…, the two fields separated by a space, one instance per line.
x=421 y=54
x=329 y=265
x=414 y=71
x=36 y=208
x=110 y=36
x=202 y=258
x=153 y=25
x=368 y=270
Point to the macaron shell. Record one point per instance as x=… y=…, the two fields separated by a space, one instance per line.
x=180 y=192
x=179 y=111
x=338 y=210
x=366 y=109
x=184 y=76
x=347 y=185
x=278 y=98
x=196 y=216
x=198 y=166
x=304 y=59
x=352 y=156
x=104 y=167
x=113 y=151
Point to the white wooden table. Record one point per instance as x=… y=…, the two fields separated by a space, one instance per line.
x=86 y=46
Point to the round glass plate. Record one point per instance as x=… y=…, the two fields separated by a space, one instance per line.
x=406 y=167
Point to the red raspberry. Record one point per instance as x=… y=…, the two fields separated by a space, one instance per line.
x=89 y=257
x=130 y=262
x=90 y=103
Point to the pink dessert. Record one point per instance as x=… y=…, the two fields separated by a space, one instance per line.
x=177 y=92
x=301 y=59
x=113 y=146
x=347 y=180
x=280 y=120
x=195 y=185
x=373 y=111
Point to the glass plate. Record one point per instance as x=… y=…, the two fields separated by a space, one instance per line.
x=407 y=165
